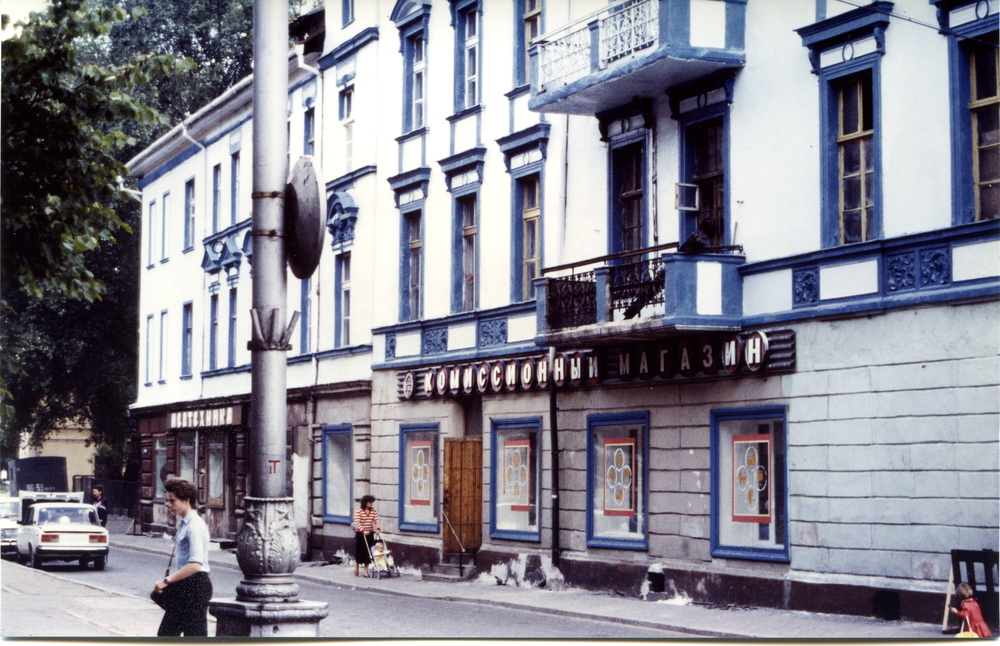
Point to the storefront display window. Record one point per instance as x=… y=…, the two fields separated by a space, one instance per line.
x=749 y=518
x=516 y=473
x=616 y=477
x=160 y=473
x=337 y=474
x=185 y=457
x=216 y=468
x=418 y=447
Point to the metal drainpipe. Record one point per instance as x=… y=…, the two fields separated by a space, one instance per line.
x=554 y=439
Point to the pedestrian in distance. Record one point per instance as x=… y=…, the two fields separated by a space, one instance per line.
x=971 y=612
x=187 y=609
x=99 y=504
x=366 y=524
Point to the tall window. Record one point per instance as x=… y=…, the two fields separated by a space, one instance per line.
x=189 y=214
x=530 y=243
x=418 y=465
x=346 y=12
x=216 y=195
x=234 y=187
x=516 y=478
x=466 y=207
x=709 y=167
x=347 y=119
x=216 y=454
x=344 y=312
x=187 y=339
x=160 y=466
x=213 y=332
x=185 y=457
x=337 y=475
x=749 y=517
x=309 y=134
x=616 y=480
x=412 y=267
x=629 y=194
x=984 y=65
x=855 y=142
x=532 y=28
x=416 y=52
x=151 y=235
x=305 y=331
x=164 y=226
x=467 y=66
x=163 y=346
x=149 y=352
x=232 y=328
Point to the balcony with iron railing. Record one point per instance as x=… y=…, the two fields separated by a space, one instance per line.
x=640 y=295
x=635 y=48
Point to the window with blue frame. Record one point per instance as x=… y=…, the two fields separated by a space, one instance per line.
x=749 y=473
x=527 y=27
x=231 y=359
x=151 y=235
x=346 y=12
x=234 y=187
x=309 y=132
x=467 y=48
x=187 y=338
x=213 y=338
x=617 y=490
x=465 y=253
x=418 y=477
x=343 y=300
x=149 y=349
x=189 y=209
x=337 y=474
x=971 y=29
x=411 y=267
x=164 y=227
x=846 y=53
x=529 y=244
x=162 y=363
x=516 y=479
x=626 y=131
x=305 y=307
x=216 y=195
x=524 y=156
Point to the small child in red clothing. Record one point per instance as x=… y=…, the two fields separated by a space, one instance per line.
x=970 y=611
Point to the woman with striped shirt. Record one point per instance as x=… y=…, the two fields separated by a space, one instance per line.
x=366 y=524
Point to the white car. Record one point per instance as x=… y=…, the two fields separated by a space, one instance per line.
x=10 y=514
x=62 y=531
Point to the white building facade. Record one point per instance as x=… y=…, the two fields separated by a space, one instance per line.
x=736 y=261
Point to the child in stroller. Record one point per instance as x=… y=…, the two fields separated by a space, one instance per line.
x=382 y=559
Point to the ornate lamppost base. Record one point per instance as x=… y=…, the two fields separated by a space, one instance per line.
x=236 y=618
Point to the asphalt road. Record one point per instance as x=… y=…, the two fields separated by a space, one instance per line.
x=37 y=605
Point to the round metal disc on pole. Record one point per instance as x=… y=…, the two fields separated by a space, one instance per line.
x=305 y=218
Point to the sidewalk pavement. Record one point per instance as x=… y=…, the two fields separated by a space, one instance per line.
x=696 y=620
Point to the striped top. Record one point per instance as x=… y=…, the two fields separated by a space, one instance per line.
x=366 y=520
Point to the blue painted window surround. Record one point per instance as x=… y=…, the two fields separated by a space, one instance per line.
x=151 y=235
x=213 y=340
x=467 y=52
x=971 y=30
x=338 y=478
x=846 y=53
x=216 y=195
x=617 y=480
x=413 y=27
x=342 y=288
x=305 y=319
x=187 y=339
x=346 y=12
x=231 y=361
x=149 y=351
x=162 y=363
x=189 y=212
x=527 y=27
x=234 y=187
x=749 y=475
x=418 y=478
x=515 y=482
x=626 y=129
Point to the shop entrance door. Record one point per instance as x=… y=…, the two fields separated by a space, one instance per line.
x=463 y=494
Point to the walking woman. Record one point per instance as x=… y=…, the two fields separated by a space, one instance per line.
x=366 y=523
x=187 y=613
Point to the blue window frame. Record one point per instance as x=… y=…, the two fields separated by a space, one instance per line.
x=418 y=477
x=971 y=30
x=342 y=289
x=232 y=328
x=151 y=235
x=413 y=19
x=465 y=18
x=617 y=480
x=149 y=349
x=164 y=226
x=309 y=132
x=189 y=211
x=411 y=265
x=465 y=250
x=346 y=12
x=338 y=477
x=516 y=476
x=162 y=363
x=216 y=195
x=187 y=337
x=527 y=27
x=846 y=53
x=213 y=332
x=626 y=131
x=234 y=187
x=749 y=476
x=305 y=304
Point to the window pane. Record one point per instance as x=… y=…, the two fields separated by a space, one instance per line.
x=617 y=488
x=216 y=467
x=419 y=474
x=988 y=125
x=517 y=480
x=989 y=163
x=160 y=475
x=852 y=157
x=338 y=474
x=852 y=193
x=185 y=458
x=989 y=202
x=849 y=108
x=985 y=71
x=852 y=227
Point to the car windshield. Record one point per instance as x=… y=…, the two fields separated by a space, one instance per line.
x=9 y=509
x=64 y=515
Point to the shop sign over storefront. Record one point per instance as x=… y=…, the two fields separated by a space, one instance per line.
x=206 y=417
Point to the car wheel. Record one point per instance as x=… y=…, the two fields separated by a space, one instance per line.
x=21 y=558
x=35 y=560
x=84 y=562
x=100 y=561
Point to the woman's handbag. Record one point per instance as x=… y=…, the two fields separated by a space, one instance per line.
x=966 y=631
x=164 y=598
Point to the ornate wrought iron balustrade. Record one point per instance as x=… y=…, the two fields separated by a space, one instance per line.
x=571 y=301
x=565 y=59
x=635 y=25
x=636 y=284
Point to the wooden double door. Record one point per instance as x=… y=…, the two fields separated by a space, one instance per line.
x=463 y=494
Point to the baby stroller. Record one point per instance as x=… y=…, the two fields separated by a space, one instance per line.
x=382 y=563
